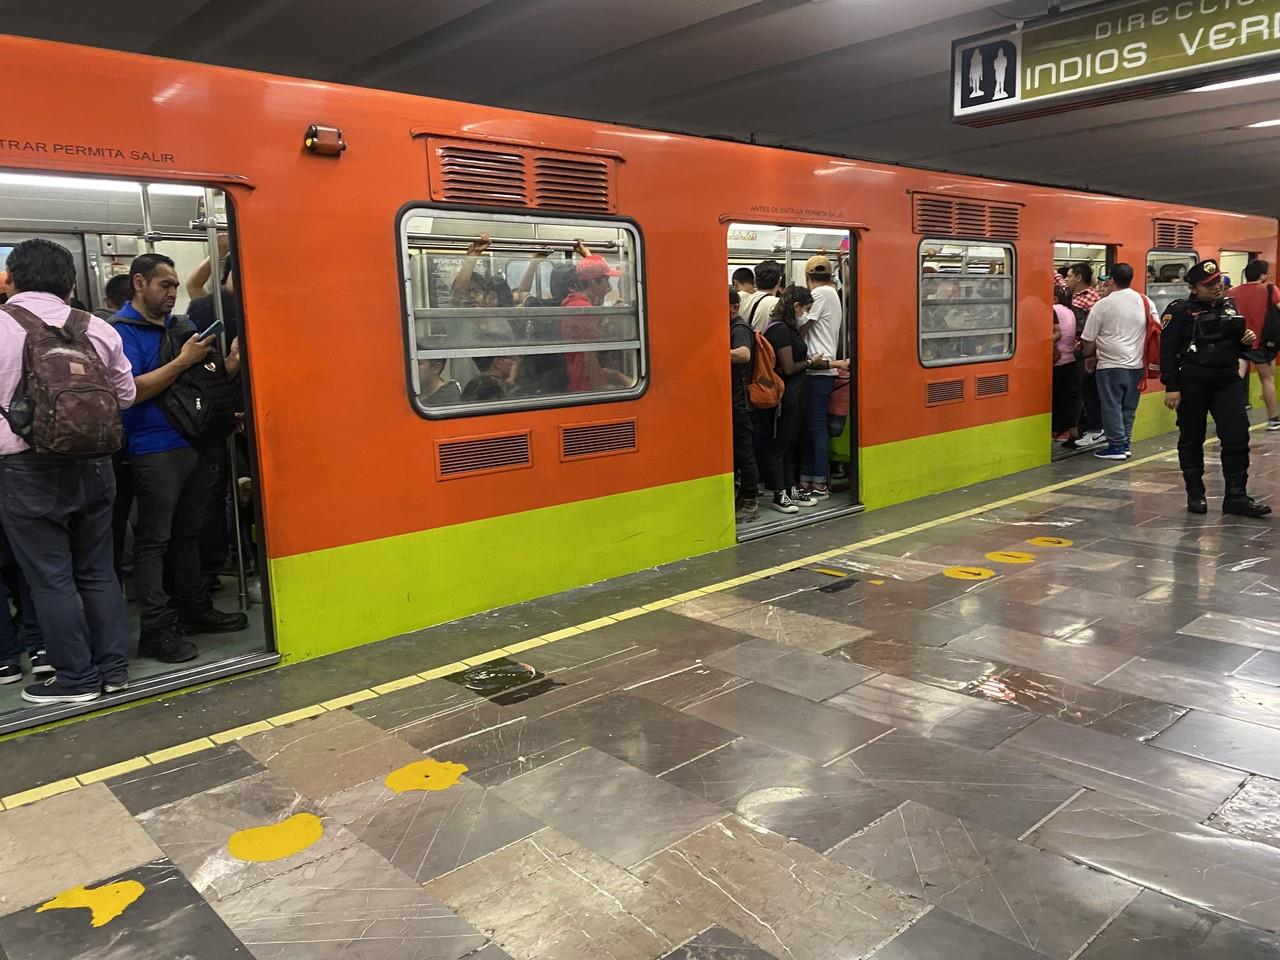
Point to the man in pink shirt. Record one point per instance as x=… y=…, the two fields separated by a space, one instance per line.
x=56 y=511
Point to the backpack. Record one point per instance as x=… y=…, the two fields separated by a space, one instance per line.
x=65 y=403
x=203 y=402
x=1270 y=338
x=765 y=388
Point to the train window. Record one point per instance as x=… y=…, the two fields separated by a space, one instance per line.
x=509 y=312
x=966 y=301
x=1098 y=256
x=1165 y=272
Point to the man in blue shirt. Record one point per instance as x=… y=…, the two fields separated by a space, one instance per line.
x=172 y=478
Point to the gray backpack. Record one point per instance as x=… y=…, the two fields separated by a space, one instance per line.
x=64 y=403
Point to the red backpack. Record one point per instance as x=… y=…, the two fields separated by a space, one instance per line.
x=765 y=388
x=1151 y=351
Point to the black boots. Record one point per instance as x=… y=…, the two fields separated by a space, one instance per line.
x=1238 y=502
x=1196 y=503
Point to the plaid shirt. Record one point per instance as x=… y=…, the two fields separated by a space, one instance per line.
x=1085 y=299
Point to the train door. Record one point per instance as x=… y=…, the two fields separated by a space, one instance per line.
x=1233 y=262
x=815 y=453
x=1075 y=423
x=106 y=223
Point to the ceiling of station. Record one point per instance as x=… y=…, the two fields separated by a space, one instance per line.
x=860 y=78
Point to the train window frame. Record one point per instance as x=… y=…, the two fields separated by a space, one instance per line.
x=923 y=335
x=636 y=345
x=1190 y=255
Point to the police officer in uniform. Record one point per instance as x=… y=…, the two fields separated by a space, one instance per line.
x=1201 y=350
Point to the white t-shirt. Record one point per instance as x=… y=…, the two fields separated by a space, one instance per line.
x=1118 y=325
x=823 y=334
x=758 y=317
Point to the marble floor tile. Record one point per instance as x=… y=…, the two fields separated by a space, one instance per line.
x=570 y=904
x=1038 y=900
x=607 y=806
x=491 y=952
x=713 y=607
x=940 y=935
x=868 y=564
x=717 y=943
x=194 y=832
x=682 y=636
x=1233 y=629
x=1156 y=927
x=1240 y=699
x=778 y=894
x=594 y=648
x=941 y=667
x=421 y=704
x=981 y=726
x=789 y=795
x=351 y=903
x=1007 y=795
x=425 y=834
x=1059 y=657
x=1263 y=666
x=792 y=723
x=1253 y=813
x=1042 y=621
x=42 y=848
x=504 y=750
x=1125 y=768
x=910 y=626
x=168 y=920
x=905 y=704
x=172 y=780
x=1222 y=740
x=808 y=675
x=687 y=688
x=1210 y=656
x=798 y=630
x=328 y=753
x=1234 y=877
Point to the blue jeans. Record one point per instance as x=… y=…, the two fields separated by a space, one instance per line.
x=11 y=647
x=814 y=457
x=57 y=517
x=1118 y=391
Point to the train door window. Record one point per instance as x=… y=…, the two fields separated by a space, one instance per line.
x=750 y=244
x=966 y=302
x=1233 y=262
x=510 y=312
x=105 y=224
x=1100 y=257
x=1165 y=272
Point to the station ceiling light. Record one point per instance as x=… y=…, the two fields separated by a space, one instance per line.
x=1239 y=82
x=1263 y=123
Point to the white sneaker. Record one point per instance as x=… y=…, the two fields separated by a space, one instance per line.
x=1092 y=438
x=783 y=504
x=801 y=498
x=1273 y=423
x=254 y=590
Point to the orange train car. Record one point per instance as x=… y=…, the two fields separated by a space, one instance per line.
x=354 y=211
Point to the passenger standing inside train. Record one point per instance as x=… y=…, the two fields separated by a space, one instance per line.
x=1254 y=299
x=592 y=283
x=781 y=426
x=1083 y=296
x=1066 y=367
x=173 y=478
x=115 y=296
x=821 y=331
x=758 y=306
x=744 y=282
x=1203 y=358
x=56 y=510
x=741 y=363
x=1116 y=335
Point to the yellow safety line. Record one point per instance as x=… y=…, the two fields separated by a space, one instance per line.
x=339 y=703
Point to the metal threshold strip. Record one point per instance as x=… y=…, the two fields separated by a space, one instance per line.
x=767 y=528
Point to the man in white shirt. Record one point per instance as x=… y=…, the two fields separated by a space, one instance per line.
x=756 y=306
x=1116 y=332
x=821 y=332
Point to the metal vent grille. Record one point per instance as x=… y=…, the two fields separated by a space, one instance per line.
x=465 y=171
x=943 y=391
x=1175 y=234
x=597 y=439
x=963 y=217
x=461 y=458
x=993 y=386
x=571 y=184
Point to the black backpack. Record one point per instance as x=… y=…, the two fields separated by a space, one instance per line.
x=203 y=402
x=1270 y=339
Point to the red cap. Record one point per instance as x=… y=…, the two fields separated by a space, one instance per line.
x=590 y=268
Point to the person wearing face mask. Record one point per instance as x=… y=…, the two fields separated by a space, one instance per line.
x=1203 y=360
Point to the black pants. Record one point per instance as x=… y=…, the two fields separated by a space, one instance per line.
x=1217 y=392
x=1066 y=396
x=173 y=492
x=1091 y=418
x=744 y=453
x=781 y=428
x=57 y=517
x=123 y=468
x=215 y=535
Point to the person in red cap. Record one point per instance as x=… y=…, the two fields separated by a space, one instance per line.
x=1202 y=365
x=592 y=284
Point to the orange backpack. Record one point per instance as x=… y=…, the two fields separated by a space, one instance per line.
x=765 y=388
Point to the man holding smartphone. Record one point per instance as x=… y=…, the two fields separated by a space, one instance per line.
x=172 y=475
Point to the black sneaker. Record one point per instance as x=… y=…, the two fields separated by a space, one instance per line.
x=10 y=673
x=40 y=665
x=118 y=684
x=51 y=691
x=166 y=645
x=213 y=621
x=1245 y=506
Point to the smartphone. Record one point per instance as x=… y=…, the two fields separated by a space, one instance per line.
x=210 y=330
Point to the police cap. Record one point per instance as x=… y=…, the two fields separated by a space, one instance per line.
x=1206 y=271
